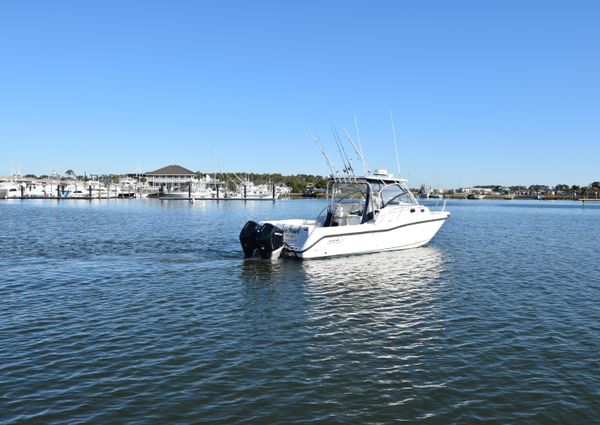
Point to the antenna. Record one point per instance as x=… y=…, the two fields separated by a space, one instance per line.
x=395 y=144
x=318 y=143
x=358 y=152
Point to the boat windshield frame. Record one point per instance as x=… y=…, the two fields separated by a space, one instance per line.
x=348 y=201
x=400 y=196
x=351 y=198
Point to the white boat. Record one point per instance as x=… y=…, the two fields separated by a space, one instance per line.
x=127 y=188
x=11 y=189
x=364 y=214
x=81 y=191
x=97 y=190
x=36 y=190
x=246 y=189
x=475 y=196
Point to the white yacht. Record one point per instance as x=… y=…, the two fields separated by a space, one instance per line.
x=363 y=215
x=127 y=188
x=36 y=190
x=11 y=189
x=246 y=189
x=80 y=190
x=475 y=196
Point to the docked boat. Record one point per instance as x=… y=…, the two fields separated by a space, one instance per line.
x=11 y=190
x=363 y=215
x=475 y=196
x=246 y=189
x=36 y=190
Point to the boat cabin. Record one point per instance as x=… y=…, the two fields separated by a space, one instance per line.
x=358 y=200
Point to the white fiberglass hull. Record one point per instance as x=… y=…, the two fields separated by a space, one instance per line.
x=364 y=215
x=310 y=241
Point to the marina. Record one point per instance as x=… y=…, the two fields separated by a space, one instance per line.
x=172 y=182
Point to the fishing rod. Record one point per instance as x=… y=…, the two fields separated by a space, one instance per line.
x=345 y=159
x=320 y=146
x=358 y=152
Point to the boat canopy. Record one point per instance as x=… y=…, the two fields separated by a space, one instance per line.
x=358 y=200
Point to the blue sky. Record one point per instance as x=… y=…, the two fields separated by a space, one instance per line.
x=482 y=92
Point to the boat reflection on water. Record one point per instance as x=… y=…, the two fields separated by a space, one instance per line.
x=366 y=281
x=331 y=318
x=398 y=286
x=393 y=269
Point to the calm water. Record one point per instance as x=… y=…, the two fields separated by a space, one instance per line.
x=145 y=312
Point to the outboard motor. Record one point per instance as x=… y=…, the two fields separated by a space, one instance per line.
x=248 y=238
x=269 y=239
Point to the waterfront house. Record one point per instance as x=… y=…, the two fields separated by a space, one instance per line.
x=170 y=178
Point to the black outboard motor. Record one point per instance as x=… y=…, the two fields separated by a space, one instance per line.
x=269 y=239
x=248 y=238
x=266 y=239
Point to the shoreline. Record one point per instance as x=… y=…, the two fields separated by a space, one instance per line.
x=295 y=196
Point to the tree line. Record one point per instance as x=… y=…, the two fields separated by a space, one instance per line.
x=542 y=188
x=297 y=182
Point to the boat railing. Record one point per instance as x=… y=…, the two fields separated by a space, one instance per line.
x=437 y=204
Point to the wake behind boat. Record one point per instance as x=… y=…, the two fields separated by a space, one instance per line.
x=363 y=215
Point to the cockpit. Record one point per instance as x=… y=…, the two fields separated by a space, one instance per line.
x=358 y=201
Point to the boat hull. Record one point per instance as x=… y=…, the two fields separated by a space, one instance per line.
x=362 y=239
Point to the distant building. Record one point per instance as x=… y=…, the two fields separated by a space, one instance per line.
x=170 y=178
x=476 y=190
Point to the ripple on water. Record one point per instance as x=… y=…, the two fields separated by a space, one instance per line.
x=145 y=312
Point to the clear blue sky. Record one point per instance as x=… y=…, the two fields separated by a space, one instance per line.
x=482 y=91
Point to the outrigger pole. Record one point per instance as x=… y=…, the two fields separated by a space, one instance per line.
x=395 y=144
x=366 y=168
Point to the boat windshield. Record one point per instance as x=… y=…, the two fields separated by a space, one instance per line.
x=396 y=194
x=347 y=201
x=359 y=202
x=349 y=192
